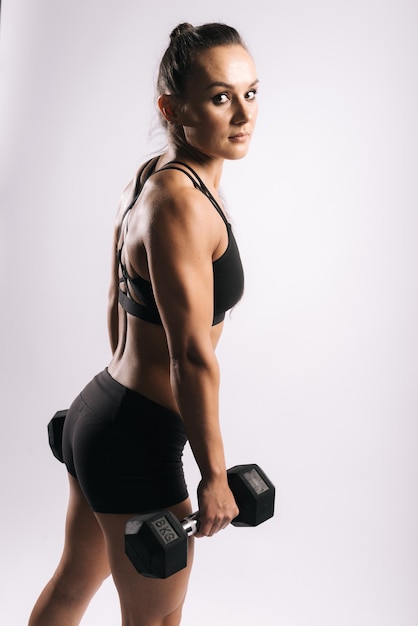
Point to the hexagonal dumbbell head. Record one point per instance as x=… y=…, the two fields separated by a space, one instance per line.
x=55 y=428
x=254 y=494
x=156 y=544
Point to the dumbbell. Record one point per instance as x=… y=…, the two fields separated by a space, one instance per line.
x=156 y=543
x=55 y=428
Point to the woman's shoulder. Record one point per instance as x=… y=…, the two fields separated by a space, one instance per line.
x=171 y=190
x=158 y=194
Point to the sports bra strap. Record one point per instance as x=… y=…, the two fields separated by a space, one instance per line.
x=138 y=188
x=137 y=309
x=168 y=166
x=198 y=183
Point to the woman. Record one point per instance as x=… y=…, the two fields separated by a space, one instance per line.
x=176 y=271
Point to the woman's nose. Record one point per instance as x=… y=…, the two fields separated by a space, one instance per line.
x=242 y=113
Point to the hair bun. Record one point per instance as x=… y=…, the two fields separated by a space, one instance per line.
x=180 y=30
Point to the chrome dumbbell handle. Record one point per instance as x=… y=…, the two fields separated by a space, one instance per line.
x=191 y=524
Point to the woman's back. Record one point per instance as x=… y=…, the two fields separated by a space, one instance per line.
x=141 y=359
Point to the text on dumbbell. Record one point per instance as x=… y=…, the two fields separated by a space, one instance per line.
x=254 y=479
x=165 y=530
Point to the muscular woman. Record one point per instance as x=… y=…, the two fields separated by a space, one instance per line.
x=176 y=270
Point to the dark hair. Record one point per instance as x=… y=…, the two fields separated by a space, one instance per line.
x=186 y=41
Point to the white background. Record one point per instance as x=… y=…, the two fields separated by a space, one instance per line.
x=319 y=360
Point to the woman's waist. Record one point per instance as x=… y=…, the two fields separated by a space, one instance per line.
x=150 y=379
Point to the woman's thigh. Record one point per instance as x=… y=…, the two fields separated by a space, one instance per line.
x=84 y=561
x=82 y=568
x=145 y=601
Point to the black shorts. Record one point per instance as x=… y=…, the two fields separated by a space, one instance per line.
x=124 y=449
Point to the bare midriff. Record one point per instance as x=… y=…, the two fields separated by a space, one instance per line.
x=142 y=361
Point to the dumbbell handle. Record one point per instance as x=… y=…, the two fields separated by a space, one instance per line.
x=190 y=524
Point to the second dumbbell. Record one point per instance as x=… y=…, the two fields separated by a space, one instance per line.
x=156 y=543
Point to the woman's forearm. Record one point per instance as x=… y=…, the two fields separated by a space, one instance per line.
x=195 y=383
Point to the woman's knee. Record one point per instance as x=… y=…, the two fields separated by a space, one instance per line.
x=75 y=579
x=146 y=616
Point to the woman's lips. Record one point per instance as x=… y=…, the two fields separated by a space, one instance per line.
x=239 y=137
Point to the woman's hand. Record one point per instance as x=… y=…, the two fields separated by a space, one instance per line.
x=217 y=506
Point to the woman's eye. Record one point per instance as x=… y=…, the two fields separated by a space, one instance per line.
x=221 y=98
x=251 y=94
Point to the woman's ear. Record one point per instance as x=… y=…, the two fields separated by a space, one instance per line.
x=169 y=108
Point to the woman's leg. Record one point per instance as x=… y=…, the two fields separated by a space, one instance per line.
x=145 y=601
x=81 y=571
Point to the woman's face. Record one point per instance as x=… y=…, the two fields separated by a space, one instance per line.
x=220 y=106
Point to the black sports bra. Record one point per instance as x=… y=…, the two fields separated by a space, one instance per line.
x=228 y=276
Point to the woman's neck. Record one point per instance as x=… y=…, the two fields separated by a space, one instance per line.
x=208 y=168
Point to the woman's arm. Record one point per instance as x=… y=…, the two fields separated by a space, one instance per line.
x=180 y=239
